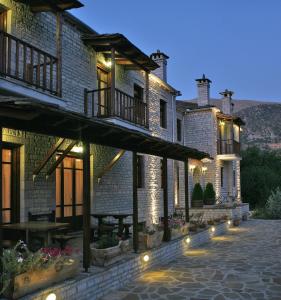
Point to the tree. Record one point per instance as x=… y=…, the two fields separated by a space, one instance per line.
x=209 y=194
x=197 y=195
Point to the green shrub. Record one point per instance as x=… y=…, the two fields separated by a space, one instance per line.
x=107 y=241
x=197 y=196
x=273 y=204
x=209 y=194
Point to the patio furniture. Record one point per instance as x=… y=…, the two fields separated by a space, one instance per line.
x=41 y=226
x=120 y=217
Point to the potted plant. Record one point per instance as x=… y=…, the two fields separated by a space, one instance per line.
x=24 y=271
x=196 y=222
x=197 y=196
x=106 y=251
x=151 y=237
x=209 y=194
x=178 y=227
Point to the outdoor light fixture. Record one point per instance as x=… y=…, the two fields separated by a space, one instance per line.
x=222 y=123
x=146 y=258
x=77 y=149
x=192 y=168
x=187 y=240
x=204 y=170
x=206 y=160
x=213 y=229
x=108 y=63
x=51 y=296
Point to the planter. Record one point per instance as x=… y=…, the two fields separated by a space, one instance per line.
x=125 y=246
x=29 y=282
x=236 y=222
x=197 y=203
x=149 y=241
x=178 y=232
x=106 y=257
x=193 y=227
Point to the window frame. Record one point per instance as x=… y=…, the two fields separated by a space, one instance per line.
x=179 y=130
x=163 y=113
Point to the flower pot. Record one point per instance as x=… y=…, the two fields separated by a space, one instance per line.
x=149 y=241
x=31 y=281
x=107 y=256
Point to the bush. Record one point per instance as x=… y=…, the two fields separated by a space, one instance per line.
x=273 y=204
x=209 y=194
x=197 y=196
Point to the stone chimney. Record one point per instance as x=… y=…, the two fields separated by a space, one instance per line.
x=203 y=85
x=161 y=59
x=227 y=105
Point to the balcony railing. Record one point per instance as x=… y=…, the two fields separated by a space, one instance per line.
x=22 y=61
x=228 y=147
x=121 y=105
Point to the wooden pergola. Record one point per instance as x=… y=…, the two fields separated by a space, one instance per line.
x=54 y=121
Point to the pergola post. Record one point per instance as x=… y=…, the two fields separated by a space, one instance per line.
x=186 y=191
x=135 y=203
x=112 y=83
x=1 y=203
x=147 y=98
x=86 y=206
x=165 y=198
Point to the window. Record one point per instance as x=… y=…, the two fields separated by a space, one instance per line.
x=179 y=130
x=234 y=178
x=163 y=114
x=222 y=176
x=140 y=171
x=138 y=92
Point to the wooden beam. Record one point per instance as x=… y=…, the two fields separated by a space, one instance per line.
x=112 y=83
x=111 y=164
x=147 y=97
x=135 y=203
x=165 y=200
x=50 y=153
x=86 y=207
x=186 y=191
x=61 y=158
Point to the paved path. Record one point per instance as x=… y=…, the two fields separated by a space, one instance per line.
x=244 y=264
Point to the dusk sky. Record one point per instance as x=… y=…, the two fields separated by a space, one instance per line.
x=237 y=44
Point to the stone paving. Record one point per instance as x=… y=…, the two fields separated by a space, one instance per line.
x=244 y=264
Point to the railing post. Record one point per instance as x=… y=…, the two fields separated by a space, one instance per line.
x=112 y=78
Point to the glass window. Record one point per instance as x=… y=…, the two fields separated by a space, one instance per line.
x=179 y=130
x=163 y=114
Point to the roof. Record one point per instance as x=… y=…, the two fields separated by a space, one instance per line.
x=183 y=106
x=237 y=120
x=52 y=120
x=51 y=5
x=105 y=42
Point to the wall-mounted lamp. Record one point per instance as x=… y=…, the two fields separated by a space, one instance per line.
x=108 y=63
x=222 y=123
x=241 y=129
x=77 y=149
x=192 y=168
x=51 y=296
x=146 y=258
x=204 y=170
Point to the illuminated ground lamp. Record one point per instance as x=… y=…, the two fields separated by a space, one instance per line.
x=229 y=222
x=51 y=296
x=187 y=240
x=213 y=229
x=146 y=258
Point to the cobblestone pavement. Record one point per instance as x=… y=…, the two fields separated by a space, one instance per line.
x=244 y=264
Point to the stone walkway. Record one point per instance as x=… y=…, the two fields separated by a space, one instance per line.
x=244 y=264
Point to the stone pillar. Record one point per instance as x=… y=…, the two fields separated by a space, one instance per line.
x=227 y=105
x=161 y=59
x=203 y=85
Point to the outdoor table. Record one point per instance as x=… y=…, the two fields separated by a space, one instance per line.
x=120 y=217
x=36 y=226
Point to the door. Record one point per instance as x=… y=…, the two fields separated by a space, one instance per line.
x=69 y=191
x=138 y=106
x=104 y=93
x=10 y=185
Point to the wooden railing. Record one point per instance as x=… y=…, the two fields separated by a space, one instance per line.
x=228 y=147
x=22 y=61
x=121 y=105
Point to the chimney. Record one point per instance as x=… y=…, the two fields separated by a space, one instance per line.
x=161 y=59
x=227 y=105
x=203 y=85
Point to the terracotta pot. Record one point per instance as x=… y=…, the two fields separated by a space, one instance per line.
x=106 y=257
x=29 y=282
x=149 y=241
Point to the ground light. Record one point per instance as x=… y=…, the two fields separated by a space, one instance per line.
x=229 y=222
x=146 y=258
x=187 y=240
x=213 y=229
x=51 y=296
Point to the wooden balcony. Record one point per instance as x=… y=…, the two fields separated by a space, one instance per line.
x=24 y=62
x=228 y=147
x=120 y=105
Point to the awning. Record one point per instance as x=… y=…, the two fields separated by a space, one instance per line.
x=51 y=120
x=235 y=119
x=51 y=5
x=126 y=49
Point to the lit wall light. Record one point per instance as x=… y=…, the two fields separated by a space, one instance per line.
x=222 y=123
x=241 y=129
x=146 y=258
x=108 y=63
x=192 y=168
x=204 y=170
x=51 y=296
x=77 y=149
x=187 y=240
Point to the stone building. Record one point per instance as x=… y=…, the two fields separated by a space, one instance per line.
x=216 y=131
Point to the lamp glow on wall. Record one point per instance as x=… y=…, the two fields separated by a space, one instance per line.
x=108 y=63
x=204 y=170
x=77 y=148
x=222 y=123
x=192 y=168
